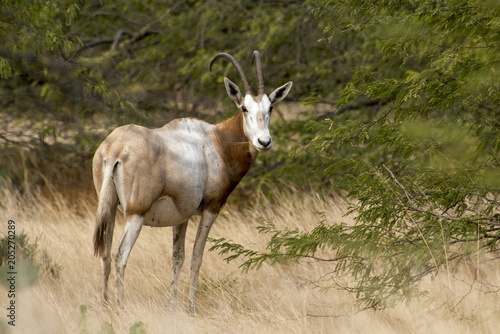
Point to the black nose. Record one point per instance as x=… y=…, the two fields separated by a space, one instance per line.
x=264 y=143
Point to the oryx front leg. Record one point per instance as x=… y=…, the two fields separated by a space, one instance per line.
x=132 y=229
x=207 y=219
x=178 y=254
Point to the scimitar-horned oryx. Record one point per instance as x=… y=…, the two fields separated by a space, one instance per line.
x=162 y=177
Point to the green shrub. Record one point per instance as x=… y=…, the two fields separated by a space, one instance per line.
x=29 y=257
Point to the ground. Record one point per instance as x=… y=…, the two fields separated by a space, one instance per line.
x=278 y=299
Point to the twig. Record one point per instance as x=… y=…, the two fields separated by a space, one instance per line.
x=118 y=37
x=337 y=112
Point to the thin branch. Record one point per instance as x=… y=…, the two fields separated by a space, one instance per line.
x=369 y=103
x=115 y=41
x=118 y=37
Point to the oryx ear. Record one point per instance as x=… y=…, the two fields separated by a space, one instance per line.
x=280 y=93
x=234 y=92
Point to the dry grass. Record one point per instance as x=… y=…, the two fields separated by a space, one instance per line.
x=280 y=299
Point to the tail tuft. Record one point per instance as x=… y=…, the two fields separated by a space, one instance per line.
x=101 y=230
x=108 y=201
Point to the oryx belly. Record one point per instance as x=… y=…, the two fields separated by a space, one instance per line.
x=164 y=212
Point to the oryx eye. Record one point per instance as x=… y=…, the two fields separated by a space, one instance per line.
x=244 y=109
x=270 y=109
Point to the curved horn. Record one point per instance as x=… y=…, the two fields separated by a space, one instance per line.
x=260 y=76
x=238 y=67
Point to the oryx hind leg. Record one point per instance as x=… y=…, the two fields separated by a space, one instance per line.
x=133 y=227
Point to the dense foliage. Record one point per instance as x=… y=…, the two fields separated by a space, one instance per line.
x=73 y=70
x=421 y=169
x=410 y=132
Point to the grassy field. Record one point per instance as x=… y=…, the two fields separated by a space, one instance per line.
x=278 y=299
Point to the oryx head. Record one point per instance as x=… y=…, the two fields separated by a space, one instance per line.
x=256 y=109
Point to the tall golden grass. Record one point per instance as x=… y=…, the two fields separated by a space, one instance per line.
x=278 y=299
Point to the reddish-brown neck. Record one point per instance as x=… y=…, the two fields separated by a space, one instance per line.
x=234 y=147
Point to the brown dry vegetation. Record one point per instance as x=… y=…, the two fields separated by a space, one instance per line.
x=278 y=299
